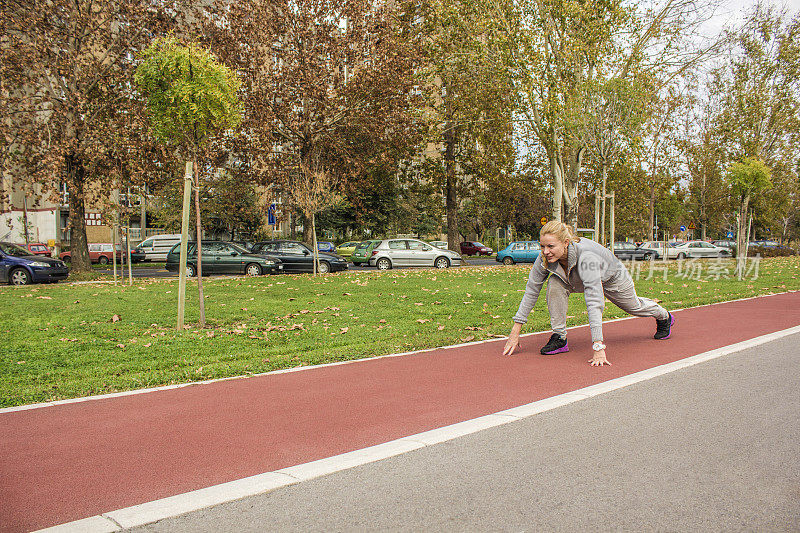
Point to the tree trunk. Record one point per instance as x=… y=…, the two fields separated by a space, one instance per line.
x=571 y=180
x=557 y=172
x=451 y=198
x=78 y=242
x=741 y=237
x=199 y=245
x=308 y=233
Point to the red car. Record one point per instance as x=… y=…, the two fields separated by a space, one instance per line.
x=98 y=253
x=36 y=248
x=474 y=248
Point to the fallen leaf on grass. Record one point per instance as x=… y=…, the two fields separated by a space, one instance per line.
x=469 y=338
x=120 y=346
x=116 y=318
x=43 y=298
x=440 y=328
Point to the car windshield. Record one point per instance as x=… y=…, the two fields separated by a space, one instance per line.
x=477 y=245
x=13 y=250
x=238 y=248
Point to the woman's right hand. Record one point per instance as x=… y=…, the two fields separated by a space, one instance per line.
x=513 y=339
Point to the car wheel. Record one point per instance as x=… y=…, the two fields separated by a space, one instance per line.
x=67 y=259
x=508 y=261
x=647 y=257
x=191 y=271
x=103 y=260
x=383 y=264
x=253 y=270
x=681 y=255
x=19 y=276
x=442 y=262
x=324 y=267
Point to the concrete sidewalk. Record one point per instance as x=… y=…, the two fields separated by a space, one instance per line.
x=70 y=461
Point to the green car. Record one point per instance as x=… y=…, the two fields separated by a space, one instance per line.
x=223 y=258
x=363 y=252
x=346 y=249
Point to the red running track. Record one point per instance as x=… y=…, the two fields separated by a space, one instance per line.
x=66 y=462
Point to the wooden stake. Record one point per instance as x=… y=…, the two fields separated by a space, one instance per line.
x=187 y=202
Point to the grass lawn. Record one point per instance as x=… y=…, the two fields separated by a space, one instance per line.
x=70 y=340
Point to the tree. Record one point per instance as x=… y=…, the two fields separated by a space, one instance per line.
x=65 y=68
x=327 y=90
x=190 y=97
x=746 y=178
x=469 y=107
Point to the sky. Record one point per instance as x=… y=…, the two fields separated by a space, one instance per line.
x=731 y=13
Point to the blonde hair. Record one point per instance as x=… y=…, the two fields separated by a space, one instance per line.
x=561 y=231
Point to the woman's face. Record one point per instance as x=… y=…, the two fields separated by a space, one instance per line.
x=553 y=249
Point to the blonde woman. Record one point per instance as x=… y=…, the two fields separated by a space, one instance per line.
x=573 y=264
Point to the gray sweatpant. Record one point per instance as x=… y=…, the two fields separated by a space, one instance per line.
x=623 y=295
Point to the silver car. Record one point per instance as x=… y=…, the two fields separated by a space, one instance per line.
x=698 y=249
x=411 y=252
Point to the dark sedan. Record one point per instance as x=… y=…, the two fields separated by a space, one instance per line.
x=221 y=257
x=19 y=267
x=629 y=250
x=297 y=257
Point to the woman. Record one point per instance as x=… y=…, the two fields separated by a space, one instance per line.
x=574 y=264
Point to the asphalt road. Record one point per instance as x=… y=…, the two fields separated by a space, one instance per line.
x=712 y=447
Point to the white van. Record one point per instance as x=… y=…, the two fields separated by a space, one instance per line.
x=155 y=248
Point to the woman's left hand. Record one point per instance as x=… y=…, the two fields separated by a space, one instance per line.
x=599 y=358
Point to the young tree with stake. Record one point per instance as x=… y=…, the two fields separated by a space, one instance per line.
x=190 y=97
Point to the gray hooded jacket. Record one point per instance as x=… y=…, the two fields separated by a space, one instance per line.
x=590 y=269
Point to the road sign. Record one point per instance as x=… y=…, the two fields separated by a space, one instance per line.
x=271 y=214
x=729 y=235
x=543 y=220
x=691 y=225
x=683 y=228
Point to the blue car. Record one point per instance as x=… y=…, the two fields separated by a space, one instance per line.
x=325 y=246
x=19 y=267
x=518 y=252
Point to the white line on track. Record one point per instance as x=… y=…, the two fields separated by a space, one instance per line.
x=154 y=511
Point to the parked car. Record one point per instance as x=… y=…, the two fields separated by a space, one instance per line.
x=519 y=252
x=695 y=249
x=363 y=252
x=656 y=246
x=157 y=247
x=35 y=248
x=297 y=257
x=19 y=267
x=326 y=246
x=390 y=253
x=474 y=248
x=730 y=245
x=137 y=254
x=439 y=244
x=346 y=249
x=247 y=245
x=99 y=252
x=629 y=250
x=220 y=257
